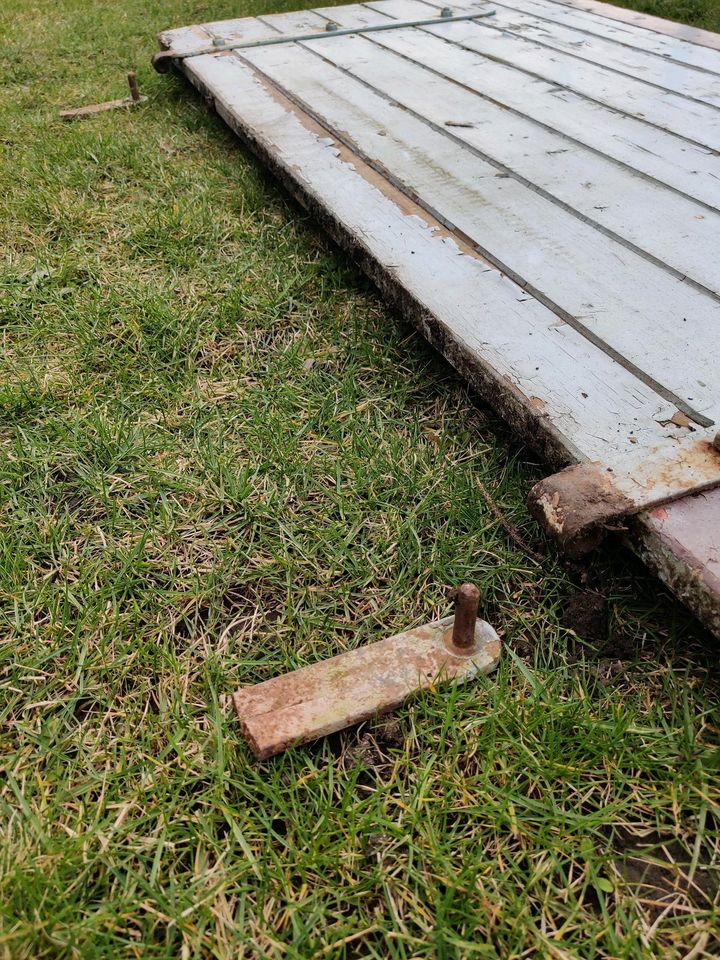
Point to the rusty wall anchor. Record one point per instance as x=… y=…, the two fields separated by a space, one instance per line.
x=333 y=694
x=163 y=60
x=579 y=504
x=91 y=109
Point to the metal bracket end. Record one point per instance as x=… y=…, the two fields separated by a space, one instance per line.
x=330 y=695
x=578 y=504
x=162 y=61
x=574 y=506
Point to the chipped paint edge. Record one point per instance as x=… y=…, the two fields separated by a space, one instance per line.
x=646 y=21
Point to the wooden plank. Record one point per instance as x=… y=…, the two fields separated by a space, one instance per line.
x=691 y=170
x=646 y=21
x=696 y=122
x=626 y=61
x=305 y=21
x=681 y=544
x=187 y=39
x=670 y=228
x=669 y=47
x=637 y=309
x=557 y=380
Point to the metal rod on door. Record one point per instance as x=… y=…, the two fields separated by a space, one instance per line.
x=163 y=60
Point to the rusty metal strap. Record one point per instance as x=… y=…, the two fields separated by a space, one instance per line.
x=577 y=505
x=163 y=60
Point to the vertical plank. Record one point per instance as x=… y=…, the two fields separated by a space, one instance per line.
x=689 y=169
x=639 y=38
x=696 y=122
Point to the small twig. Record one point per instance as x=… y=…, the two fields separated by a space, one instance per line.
x=509 y=527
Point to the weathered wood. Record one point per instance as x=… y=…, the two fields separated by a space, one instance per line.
x=588 y=397
x=162 y=62
x=675 y=230
x=569 y=287
x=522 y=232
x=646 y=21
x=664 y=156
x=626 y=61
x=680 y=543
x=595 y=24
x=696 y=122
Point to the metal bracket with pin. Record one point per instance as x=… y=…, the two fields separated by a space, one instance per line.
x=330 y=695
x=78 y=113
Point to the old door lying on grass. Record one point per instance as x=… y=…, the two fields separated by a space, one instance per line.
x=536 y=183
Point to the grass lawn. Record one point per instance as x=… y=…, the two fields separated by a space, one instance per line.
x=698 y=13
x=222 y=457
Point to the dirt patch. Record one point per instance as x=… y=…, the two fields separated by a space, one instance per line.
x=660 y=871
x=586 y=614
x=370 y=748
x=388 y=731
x=254 y=600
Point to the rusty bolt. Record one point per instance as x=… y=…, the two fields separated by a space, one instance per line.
x=467 y=601
x=132 y=83
x=716 y=442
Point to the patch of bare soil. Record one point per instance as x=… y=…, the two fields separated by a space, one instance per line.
x=662 y=874
x=586 y=614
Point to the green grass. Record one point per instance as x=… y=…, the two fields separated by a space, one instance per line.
x=698 y=13
x=221 y=458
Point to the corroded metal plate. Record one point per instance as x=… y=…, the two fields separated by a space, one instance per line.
x=333 y=694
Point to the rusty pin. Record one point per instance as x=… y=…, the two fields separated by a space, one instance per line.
x=467 y=601
x=132 y=83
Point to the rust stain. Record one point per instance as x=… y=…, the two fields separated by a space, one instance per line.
x=701 y=457
x=577 y=504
